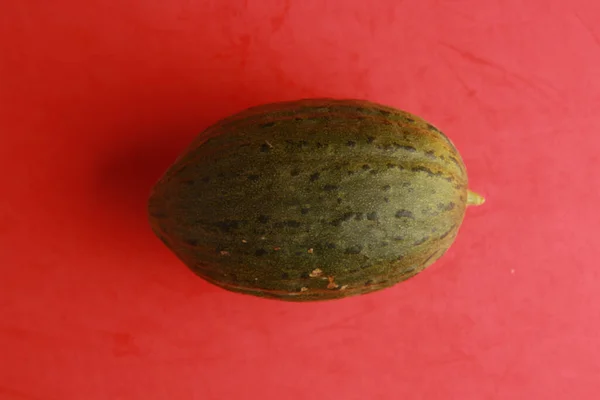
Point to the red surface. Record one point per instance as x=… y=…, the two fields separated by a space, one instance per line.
x=98 y=98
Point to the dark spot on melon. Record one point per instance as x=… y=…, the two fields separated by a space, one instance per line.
x=356 y=249
x=399 y=238
x=158 y=214
x=374 y=172
x=366 y=167
x=404 y=214
x=260 y=252
x=369 y=282
x=285 y=275
x=339 y=200
x=390 y=165
x=351 y=143
x=409 y=119
x=387 y=188
x=430 y=154
x=314 y=177
x=370 y=139
x=446 y=207
x=304 y=210
x=331 y=245
x=407 y=148
x=336 y=222
x=359 y=216
x=384 y=112
x=253 y=177
x=264 y=148
x=421 y=241
x=191 y=241
x=228 y=225
x=330 y=188
x=345 y=217
x=350 y=172
x=291 y=223
x=259 y=231
x=372 y=216
x=323 y=118
x=267 y=124
x=295 y=172
x=386 y=199
x=263 y=219
x=421 y=168
x=304 y=275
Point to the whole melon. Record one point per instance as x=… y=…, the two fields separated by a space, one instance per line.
x=313 y=199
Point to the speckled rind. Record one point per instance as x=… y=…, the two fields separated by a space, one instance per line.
x=312 y=199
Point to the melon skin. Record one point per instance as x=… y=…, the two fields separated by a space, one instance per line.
x=313 y=199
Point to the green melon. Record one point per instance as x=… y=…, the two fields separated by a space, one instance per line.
x=314 y=199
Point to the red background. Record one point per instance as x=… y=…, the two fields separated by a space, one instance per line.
x=98 y=98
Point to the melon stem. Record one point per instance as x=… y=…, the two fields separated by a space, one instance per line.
x=474 y=199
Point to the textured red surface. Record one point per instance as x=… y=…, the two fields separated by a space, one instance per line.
x=97 y=99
